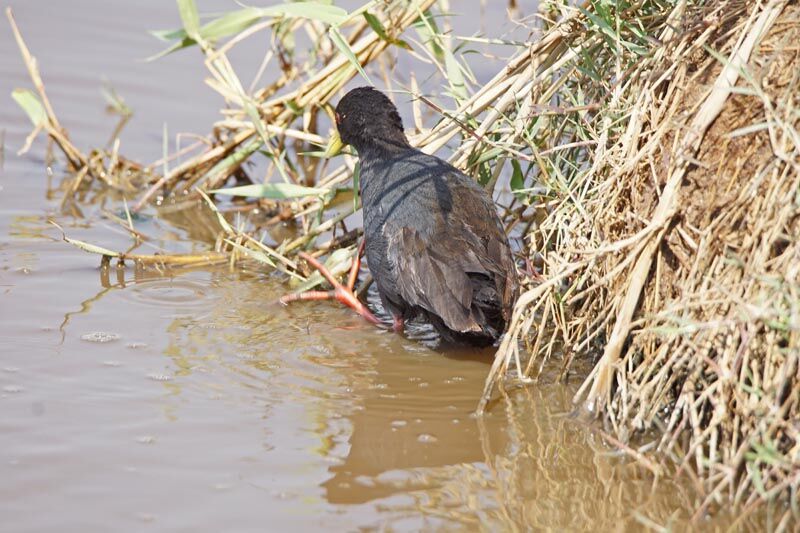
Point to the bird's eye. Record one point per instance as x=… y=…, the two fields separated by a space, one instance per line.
x=339 y=118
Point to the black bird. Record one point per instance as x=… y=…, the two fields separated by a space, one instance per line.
x=434 y=243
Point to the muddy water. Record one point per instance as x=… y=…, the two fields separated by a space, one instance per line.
x=145 y=401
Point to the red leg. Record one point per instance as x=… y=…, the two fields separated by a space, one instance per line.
x=398 y=325
x=351 y=279
x=342 y=293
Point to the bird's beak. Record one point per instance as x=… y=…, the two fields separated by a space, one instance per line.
x=335 y=145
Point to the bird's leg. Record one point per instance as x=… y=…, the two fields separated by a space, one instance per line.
x=342 y=293
x=351 y=279
x=398 y=324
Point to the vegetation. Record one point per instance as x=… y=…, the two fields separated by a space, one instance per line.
x=653 y=156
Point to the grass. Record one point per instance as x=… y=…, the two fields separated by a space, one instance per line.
x=652 y=156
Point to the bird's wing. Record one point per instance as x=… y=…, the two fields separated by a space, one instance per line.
x=425 y=280
x=434 y=273
x=485 y=240
x=444 y=242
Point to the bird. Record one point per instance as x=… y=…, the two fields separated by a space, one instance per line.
x=433 y=240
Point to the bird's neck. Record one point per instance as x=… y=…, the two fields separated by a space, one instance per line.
x=382 y=147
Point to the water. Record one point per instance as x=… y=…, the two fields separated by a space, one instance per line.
x=135 y=401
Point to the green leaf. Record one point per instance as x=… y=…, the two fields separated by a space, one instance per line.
x=180 y=45
x=489 y=155
x=223 y=222
x=376 y=25
x=484 y=173
x=342 y=45
x=428 y=33
x=517 y=177
x=768 y=453
x=758 y=480
x=252 y=112
x=455 y=76
x=85 y=246
x=169 y=35
x=326 y=13
x=402 y=44
x=91 y=248
x=337 y=263
x=237 y=21
x=273 y=191
x=258 y=255
x=231 y=23
x=190 y=18
x=234 y=159
x=601 y=24
x=30 y=103
x=432 y=37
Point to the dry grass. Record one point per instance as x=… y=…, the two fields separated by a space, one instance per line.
x=656 y=184
x=675 y=253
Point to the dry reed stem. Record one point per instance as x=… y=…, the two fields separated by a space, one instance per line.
x=315 y=92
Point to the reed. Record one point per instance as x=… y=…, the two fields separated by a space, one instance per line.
x=669 y=239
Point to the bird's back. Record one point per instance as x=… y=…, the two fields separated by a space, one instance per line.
x=435 y=245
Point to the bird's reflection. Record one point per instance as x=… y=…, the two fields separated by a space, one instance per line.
x=419 y=419
x=525 y=465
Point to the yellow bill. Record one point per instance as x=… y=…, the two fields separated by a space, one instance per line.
x=335 y=145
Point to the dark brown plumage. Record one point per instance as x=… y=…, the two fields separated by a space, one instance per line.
x=434 y=242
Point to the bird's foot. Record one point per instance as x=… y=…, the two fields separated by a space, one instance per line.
x=340 y=292
x=398 y=325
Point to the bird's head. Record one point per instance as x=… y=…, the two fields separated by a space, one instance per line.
x=364 y=117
